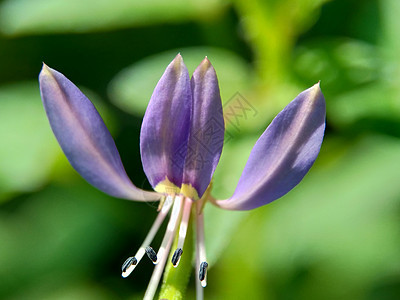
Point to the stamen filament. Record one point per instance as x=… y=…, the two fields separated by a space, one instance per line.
x=172 y=225
x=182 y=231
x=149 y=238
x=164 y=249
x=200 y=251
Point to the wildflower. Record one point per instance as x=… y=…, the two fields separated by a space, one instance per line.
x=180 y=152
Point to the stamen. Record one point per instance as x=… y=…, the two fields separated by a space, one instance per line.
x=149 y=238
x=182 y=231
x=200 y=252
x=176 y=257
x=129 y=262
x=172 y=225
x=151 y=254
x=165 y=247
x=203 y=271
x=161 y=204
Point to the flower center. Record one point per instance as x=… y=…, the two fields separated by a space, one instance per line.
x=180 y=216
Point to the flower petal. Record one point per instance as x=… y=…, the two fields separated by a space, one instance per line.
x=206 y=131
x=283 y=154
x=165 y=128
x=84 y=137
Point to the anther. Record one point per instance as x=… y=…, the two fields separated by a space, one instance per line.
x=151 y=254
x=129 y=262
x=176 y=257
x=203 y=271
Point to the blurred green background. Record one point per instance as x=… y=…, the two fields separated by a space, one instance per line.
x=335 y=236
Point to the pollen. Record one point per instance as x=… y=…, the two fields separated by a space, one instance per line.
x=176 y=257
x=151 y=254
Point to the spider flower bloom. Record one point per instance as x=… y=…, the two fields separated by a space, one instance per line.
x=179 y=153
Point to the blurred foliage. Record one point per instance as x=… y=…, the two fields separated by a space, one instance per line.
x=335 y=236
x=26 y=162
x=43 y=16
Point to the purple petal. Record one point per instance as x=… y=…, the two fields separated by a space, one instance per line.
x=84 y=138
x=283 y=154
x=165 y=128
x=206 y=131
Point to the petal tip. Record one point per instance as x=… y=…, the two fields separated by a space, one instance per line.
x=178 y=60
x=178 y=65
x=46 y=70
x=315 y=91
x=204 y=67
x=178 y=56
x=317 y=85
x=206 y=62
x=46 y=77
x=47 y=73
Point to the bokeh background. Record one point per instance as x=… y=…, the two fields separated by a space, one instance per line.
x=335 y=236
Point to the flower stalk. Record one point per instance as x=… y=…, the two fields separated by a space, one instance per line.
x=176 y=279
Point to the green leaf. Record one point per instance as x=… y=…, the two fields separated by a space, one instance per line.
x=132 y=88
x=42 y=16
x=391 y=27
x=340 y=64
x=371 y=101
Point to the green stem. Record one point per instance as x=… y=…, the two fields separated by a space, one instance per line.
x=270 y=37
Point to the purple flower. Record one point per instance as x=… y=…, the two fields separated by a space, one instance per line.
x=180 y=143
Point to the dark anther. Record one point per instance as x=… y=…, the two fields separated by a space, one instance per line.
x=129 y=262
x=203 y=270
x=177 y=255
x=151 y=254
